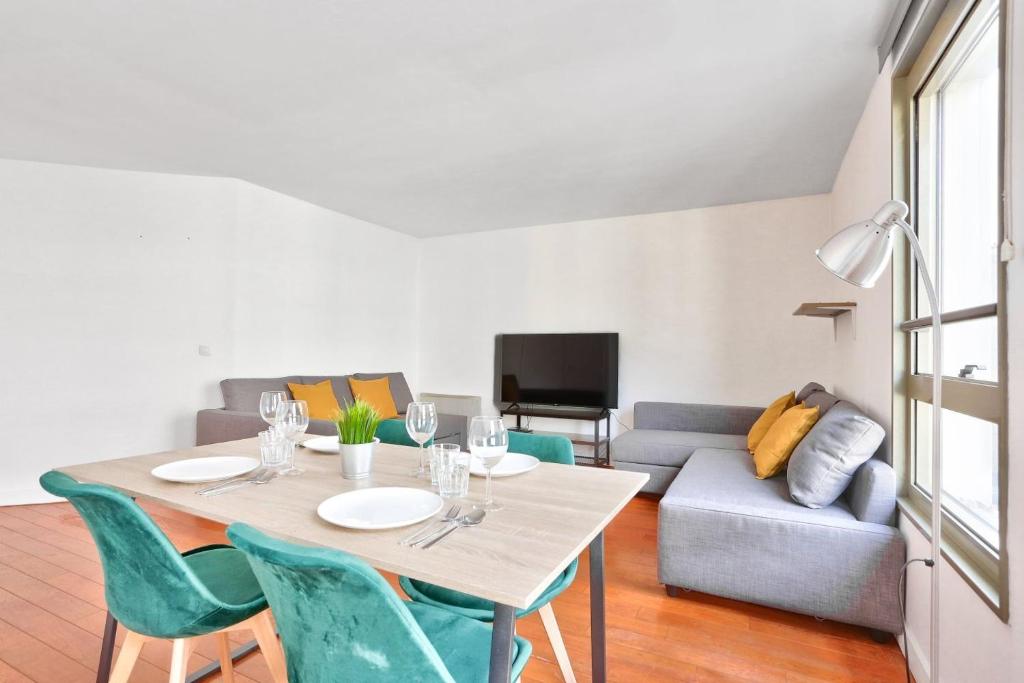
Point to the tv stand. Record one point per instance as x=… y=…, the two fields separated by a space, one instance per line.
x=595 y=415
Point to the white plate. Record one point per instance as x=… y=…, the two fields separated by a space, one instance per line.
x=511 y=465
x=386 y=507
x=322 y=444
x=199 y=470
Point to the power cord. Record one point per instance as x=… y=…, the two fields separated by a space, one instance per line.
x=621 y=423
x=901 y=600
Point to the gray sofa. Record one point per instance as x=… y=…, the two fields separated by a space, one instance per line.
x=723 y=531
x=240 y=416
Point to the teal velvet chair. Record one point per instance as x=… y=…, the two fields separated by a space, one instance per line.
x=340 y=620
x=393 y=431
x=155 y=592
x=554 y=449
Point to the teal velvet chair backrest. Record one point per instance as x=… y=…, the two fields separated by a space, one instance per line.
x=393 y=431
x=149 y=587
x=339 y=619
x=547 y=448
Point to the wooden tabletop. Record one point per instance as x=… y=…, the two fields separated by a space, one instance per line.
x=550 y=515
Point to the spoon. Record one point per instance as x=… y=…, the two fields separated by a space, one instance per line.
x=472 y=519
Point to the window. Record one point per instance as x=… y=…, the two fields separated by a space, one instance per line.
x=954 y=184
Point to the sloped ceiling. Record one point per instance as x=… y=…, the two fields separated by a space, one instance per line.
x=451 y=116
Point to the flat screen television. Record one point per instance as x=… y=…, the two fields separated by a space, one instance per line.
x=579 y=370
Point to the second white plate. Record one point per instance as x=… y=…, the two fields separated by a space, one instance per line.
x=322 y=444
x=201 y=470
x=387 y=507
x=511 y=465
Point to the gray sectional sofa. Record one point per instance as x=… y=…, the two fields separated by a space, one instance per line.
x=240 y=416
x=723 y=531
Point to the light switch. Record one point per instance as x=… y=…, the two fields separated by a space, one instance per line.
x=204 y=350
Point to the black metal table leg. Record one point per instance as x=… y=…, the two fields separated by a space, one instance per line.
x=598 y=654
x=214 y=667
x=107 y=649
x=504 y=630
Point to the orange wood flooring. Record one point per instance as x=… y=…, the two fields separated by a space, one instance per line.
x=52 y=615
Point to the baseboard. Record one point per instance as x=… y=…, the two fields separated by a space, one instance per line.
x=30 y=496
x=918 y=661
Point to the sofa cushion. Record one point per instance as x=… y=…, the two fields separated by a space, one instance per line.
x=808 y=389
x=339 y=383
x=773 y=452
x=319 y=398
x=821 y=399
x=243 y=394
x=400 y=391
x=772 y=413
x=724 y=481
x=824 y=462
x=669 y=448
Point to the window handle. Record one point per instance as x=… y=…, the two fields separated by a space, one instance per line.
x=967 y=371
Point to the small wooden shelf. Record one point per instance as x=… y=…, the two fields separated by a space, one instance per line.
x=825 y=309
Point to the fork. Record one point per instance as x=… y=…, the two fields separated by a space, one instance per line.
x=425 y=530
x=261 y=477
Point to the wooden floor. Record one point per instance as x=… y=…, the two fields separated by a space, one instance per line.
x=52 y=615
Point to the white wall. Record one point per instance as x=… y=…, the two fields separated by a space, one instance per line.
x=862 y=358
x=702 y=299
x=110 y=280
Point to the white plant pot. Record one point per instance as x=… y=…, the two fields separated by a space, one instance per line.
x=357 y=459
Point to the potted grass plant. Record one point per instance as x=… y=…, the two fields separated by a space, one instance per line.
x=357 y=425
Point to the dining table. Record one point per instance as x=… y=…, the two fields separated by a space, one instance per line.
x=549 y=516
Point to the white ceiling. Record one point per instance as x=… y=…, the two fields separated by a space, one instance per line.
x=453 y=115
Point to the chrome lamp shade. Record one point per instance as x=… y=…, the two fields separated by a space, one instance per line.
x=860 y=253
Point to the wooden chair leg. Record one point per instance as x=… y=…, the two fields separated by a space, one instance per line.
x=227 y=667
x=547 y=616
x=180 y=654
x=130 y=649
x=270 y=646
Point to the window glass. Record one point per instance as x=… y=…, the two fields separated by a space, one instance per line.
x=972 y=342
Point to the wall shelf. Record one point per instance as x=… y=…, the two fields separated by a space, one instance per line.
x=833 y=310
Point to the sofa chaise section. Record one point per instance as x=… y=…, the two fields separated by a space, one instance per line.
x=724 y=532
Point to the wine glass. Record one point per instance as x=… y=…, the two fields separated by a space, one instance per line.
x=421 y=423
x=269 y=401
x=488 y=441
x=293 y=420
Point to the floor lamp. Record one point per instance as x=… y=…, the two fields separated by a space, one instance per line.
x=859 y=254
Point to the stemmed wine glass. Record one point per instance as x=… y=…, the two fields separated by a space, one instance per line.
x=421 y=423
x=269 y=402
x=488 y=441
x=293 y=420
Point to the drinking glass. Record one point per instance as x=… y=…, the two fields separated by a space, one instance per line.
x=450 y=465
x=421 y=423
x=269 y=402
x=293 y=419
x=488 y=442
x=272 y=448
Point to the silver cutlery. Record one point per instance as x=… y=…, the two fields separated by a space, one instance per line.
x=261 y=477
x=428 y=528
x=472 y=519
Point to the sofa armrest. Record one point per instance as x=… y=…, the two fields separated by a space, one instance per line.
x=694 y=417
x=872 y=494
x=216 y=425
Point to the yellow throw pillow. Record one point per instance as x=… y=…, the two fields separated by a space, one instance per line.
x=773 y=452
x=376 y=392
x=768 y=418
x=319 y=397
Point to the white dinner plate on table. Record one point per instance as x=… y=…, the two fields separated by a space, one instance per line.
x=322 y=444
x=511 y=465
x=200 y=470
x=386 y=507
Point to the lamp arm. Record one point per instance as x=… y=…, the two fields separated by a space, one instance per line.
x=936 y=540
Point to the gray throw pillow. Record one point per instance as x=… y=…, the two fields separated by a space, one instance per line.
x=808 y=389
x=824 y=462
x=822 y=399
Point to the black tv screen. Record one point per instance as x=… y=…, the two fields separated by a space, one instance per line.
x=558 y=369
